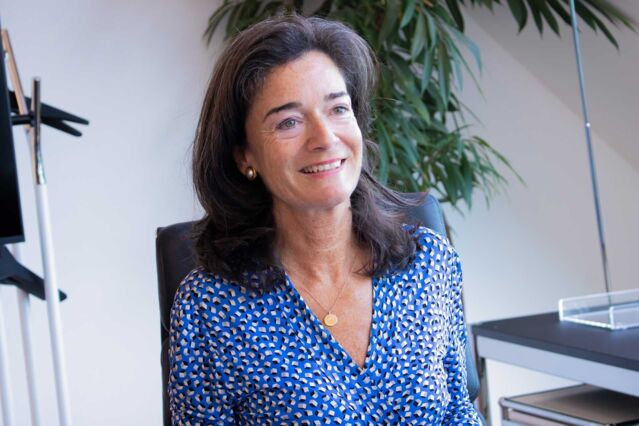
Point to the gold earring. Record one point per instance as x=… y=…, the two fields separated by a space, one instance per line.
x=250 y=173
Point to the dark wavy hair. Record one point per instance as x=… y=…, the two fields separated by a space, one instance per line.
x=236 y=235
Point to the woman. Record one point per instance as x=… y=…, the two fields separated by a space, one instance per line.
x=313 y=304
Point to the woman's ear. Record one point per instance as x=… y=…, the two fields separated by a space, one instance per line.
x=241 y=160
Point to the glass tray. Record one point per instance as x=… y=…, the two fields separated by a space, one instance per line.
x=616 y=310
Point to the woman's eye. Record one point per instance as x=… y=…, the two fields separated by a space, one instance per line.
x=289 y=123
x=340 y=109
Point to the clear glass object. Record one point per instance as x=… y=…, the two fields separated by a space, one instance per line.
x=616 y=310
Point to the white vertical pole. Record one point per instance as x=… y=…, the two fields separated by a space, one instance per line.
x=50 y=274
x=24 y=306
x=6 y=397
x=53 y=304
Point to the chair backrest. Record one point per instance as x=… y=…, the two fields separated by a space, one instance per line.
x=176 y=258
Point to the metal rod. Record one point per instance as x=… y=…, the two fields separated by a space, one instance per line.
x=24 y=306
x=593 y=171
x=37 y=127
x=50 y=275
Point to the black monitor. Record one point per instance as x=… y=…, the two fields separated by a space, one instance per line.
x=11 y=230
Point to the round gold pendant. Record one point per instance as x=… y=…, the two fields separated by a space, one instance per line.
x=330 y=319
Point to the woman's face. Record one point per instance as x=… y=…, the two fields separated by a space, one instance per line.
x=302 y=136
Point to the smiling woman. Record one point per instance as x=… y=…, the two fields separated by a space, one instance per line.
x=313 y=303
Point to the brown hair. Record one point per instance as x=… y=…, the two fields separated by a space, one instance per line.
x=235 y=237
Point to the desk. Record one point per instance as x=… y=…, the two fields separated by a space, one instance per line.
x=600 y=357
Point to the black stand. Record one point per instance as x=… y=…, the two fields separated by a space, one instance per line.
x=11 y=272
x=50 y=116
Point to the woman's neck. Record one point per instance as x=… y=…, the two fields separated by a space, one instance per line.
x=318 y=246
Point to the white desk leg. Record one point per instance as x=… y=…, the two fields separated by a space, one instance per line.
x=484 y=396
x=483 y=399
x=5 y=380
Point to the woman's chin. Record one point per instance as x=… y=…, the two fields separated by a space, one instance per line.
x=320 y=202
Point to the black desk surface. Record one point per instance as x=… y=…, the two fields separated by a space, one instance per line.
x=619 y=348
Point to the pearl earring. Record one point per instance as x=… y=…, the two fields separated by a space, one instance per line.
x=250 y=173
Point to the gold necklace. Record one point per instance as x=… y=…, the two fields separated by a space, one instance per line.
x=330 y=319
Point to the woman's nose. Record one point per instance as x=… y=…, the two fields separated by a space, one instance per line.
x=321 y=134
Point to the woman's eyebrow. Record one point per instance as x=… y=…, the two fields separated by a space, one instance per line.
x=293 y=105
x=335 y=95
x=289 y=105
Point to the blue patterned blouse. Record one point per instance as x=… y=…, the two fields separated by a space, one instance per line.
x=240 y=358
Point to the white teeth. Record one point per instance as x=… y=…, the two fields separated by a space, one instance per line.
x=323 y=167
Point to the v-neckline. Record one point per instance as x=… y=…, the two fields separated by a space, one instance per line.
x=338 y=350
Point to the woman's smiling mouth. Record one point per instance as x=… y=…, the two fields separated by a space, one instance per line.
x=323 y=167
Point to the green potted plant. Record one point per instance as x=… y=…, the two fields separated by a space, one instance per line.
x=419 y=121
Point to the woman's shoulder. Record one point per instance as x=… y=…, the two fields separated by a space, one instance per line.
x=427 y=239
x=434 y=250
x=202 y=292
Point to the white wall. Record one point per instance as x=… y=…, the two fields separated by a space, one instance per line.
x=538 y=243
x=610 y=74
x=137 y=70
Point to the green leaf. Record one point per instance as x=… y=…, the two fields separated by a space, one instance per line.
x=215 y=19
x=408 y=147
x=427 y=69
x=453 y=7
x=432 y=31
x=560 y=10
x=451 y=184
x=586 y=15
x=536 y=16
x=456 y=61
x=547 y=14
x=460 y=57
x=608 y=34
x=390 y=20
x=606 y=31
x=231 y=24
x=443 y=68
x=467 y=187
x=612 y=13
x=416 y=101
x=389 y=142
x=473 y=49
x=419 y=38
x=383 y=153
x=401 y=68
x=409 y=11
x=519 y=11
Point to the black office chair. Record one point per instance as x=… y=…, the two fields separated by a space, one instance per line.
x=175 y=259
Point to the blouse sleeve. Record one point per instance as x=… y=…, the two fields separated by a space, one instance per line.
x=460 y=410
x=198 y=389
